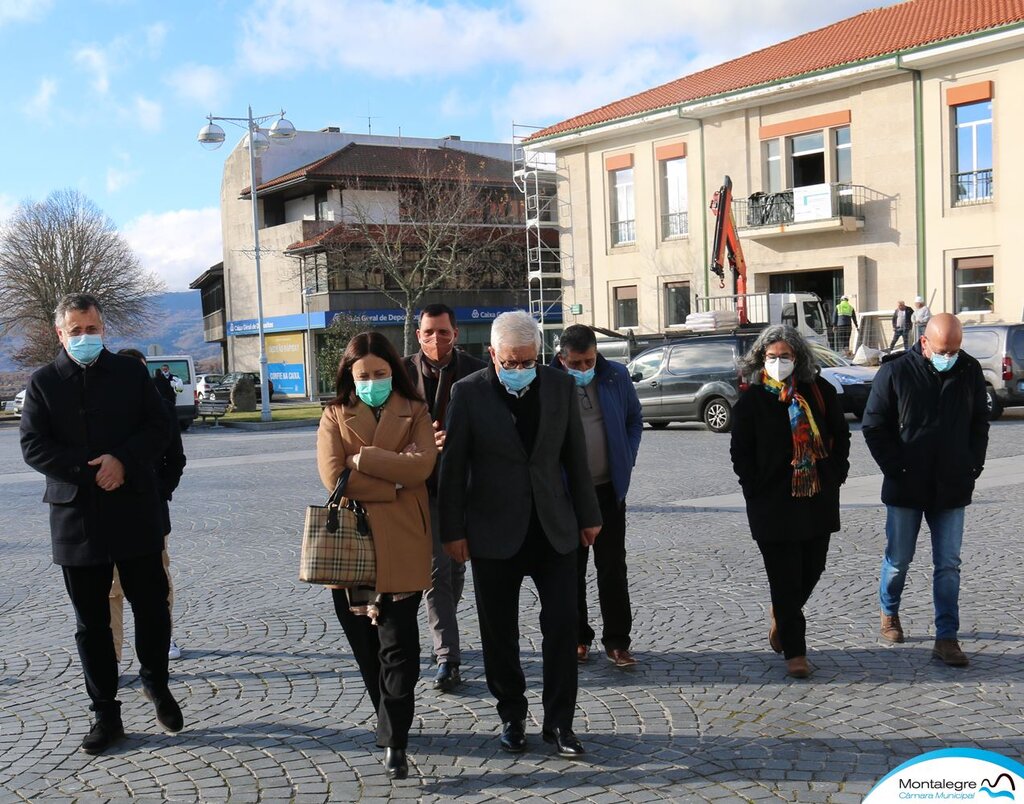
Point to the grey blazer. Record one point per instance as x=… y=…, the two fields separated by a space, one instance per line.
x=489 y=485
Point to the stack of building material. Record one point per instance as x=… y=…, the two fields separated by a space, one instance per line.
x=712 y=320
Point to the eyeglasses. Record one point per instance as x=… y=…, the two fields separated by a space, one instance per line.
x=585 y=403
x=517 y=364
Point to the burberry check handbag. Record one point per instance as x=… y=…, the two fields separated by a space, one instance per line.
x=337 y=546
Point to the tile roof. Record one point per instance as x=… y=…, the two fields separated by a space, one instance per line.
x=880 y=32
x=356 y=161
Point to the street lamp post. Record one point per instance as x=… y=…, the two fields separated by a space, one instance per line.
x=212 y=136
x=306 y=293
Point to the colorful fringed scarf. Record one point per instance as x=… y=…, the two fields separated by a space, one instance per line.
x=808 y=448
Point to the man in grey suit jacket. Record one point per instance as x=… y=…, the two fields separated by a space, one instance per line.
x=516 y=498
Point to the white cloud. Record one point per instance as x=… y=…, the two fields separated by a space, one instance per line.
x=422 y=38
x=148 y=113
x=155 y=35
x=7 y=206
x=39 y=104
x=95 y=60
x=200 y=83
x=177 y=246
x=119 y=178
x=23 y=10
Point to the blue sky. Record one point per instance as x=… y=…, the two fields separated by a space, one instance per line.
x=107 y=96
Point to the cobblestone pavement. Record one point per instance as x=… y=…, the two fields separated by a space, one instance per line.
x=275 y=709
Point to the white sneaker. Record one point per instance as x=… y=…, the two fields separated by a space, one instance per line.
x=174 y=652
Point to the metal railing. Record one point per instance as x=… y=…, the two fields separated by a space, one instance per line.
x=674 y=224
x=623 y=232
x=972 y=187
x=773 y=209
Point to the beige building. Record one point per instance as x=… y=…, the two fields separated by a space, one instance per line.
x=873 y=158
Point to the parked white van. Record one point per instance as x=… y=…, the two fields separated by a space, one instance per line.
x=183 y=381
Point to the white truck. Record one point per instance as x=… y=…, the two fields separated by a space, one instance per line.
x=805 y=312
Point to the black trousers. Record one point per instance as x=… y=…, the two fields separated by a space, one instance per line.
x=793 y=570
x=145 y=585
x=612 y=586
x=388 y=656
x=497 y=583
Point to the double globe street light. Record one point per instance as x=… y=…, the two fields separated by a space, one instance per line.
x=257 y=140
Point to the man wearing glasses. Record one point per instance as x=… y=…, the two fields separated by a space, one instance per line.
x=926 y=424
x=612 y=424
x=434 y=369
x=517 y=499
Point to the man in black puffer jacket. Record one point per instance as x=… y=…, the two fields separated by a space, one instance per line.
x=926 y=424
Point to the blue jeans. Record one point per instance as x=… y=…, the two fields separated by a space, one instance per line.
x=902 y=526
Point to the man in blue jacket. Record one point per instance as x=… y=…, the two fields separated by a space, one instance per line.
x=612 y=424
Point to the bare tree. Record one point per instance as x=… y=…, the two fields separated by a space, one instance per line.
x=451 y=229
x=62 y=245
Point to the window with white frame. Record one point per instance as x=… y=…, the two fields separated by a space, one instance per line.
x=973 y=285
x=673 y=198
x=772 y=166
x=623 y=216
x=807 y=158
x=972 y=178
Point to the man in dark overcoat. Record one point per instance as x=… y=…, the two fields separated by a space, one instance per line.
x=94 y=425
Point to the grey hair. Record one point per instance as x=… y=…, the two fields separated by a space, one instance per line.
x=515 y=328
x=753 y=361
x=75 y=301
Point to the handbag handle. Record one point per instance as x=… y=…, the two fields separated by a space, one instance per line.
x=335 y=500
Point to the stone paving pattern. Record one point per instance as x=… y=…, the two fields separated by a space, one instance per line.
x=275 y=709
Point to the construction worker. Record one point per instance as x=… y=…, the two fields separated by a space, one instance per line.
x=845 y=316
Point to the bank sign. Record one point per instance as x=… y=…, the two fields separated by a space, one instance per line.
x=389 y=317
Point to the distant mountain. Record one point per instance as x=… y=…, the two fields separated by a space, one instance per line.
x=177 y=329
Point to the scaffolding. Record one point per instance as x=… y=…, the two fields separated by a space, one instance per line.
x=535 y=176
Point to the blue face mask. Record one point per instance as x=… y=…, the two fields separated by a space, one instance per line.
x=374 y=392
x=84 y=349
x=516 y=379
x=583 y=378
x=943 y=362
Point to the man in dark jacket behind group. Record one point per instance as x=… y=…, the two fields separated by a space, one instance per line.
x=612 y=424
x=434 y=369
x=927 y=406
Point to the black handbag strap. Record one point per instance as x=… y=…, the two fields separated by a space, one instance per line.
x=334 y=503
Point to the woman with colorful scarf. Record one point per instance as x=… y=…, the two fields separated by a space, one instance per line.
x=790 y=449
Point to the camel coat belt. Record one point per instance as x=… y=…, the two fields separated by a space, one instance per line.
x=391 y=485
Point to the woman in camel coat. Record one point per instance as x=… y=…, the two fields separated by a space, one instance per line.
x=378 y=427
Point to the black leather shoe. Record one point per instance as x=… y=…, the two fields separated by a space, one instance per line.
x=103 y=734
x=448 y=677
x=564 y=740
x=395 y=764
x=513 y=736
x=168 y=713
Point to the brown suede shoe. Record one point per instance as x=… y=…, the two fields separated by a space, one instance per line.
x=582 y=653
x=773 y=633
x=892 y=630
x=620 y=657
x=797 y=667
x=948 y=650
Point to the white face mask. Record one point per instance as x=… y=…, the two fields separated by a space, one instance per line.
x=778 y=368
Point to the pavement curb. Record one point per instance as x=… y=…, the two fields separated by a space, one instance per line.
x=289 y=425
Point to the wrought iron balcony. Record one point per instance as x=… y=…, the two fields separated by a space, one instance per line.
x=623 y=233
x=972 y=187
x=674 y=224
x=822 y=202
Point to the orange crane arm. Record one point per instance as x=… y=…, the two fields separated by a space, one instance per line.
x=726 y=246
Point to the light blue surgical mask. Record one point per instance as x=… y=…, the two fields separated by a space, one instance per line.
x=374 y=392
x=943 y=362
x=84 y=349
x=516 y=379
x=583 y=378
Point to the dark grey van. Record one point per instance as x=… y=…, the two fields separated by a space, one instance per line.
x=1000 y=350
x=692 y=380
